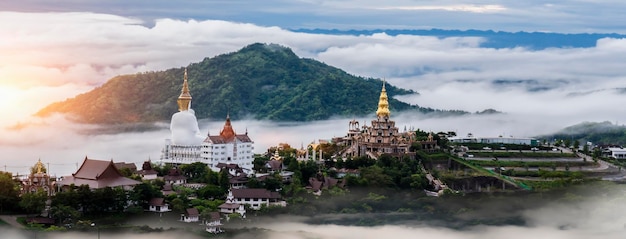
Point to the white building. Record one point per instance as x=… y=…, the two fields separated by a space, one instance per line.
x=190 y=215
x=257 y=197
x=158 y=205
x=188 y=146
x=228 y=148
x=617 y=153
x=494 y=140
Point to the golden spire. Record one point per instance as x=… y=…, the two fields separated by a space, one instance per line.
x=39 y=168
x=383 y=104
x=184 y=100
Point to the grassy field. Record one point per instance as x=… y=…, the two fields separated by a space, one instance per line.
x=517 y=154
x=522 y=164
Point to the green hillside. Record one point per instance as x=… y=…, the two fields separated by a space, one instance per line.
x=595 y=132
x=259 y=81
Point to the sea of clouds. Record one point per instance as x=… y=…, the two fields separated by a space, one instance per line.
x=49 y=57
x=601 y=216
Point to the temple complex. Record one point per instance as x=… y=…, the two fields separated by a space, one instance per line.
x=39 y=180
x=381 y=137
x=187 y=146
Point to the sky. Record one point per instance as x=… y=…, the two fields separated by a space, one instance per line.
x=50 y=51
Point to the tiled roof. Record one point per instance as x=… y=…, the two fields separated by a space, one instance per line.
x=239 y=179
x=192 y=212
x=157 y=202
x=97 y=174
x=254 y=193
x=229 y=206
x=123 y=165
x=214 y=216
x=243 y=138
x=93 y=169
x=147 y=172
x=174 y=178
x=275 y=164
x=218 y=139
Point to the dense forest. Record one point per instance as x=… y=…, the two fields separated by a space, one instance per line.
x=261 y=81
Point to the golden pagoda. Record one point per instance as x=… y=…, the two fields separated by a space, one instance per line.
x=380 y=137
x=383 y=104
x=184 y=100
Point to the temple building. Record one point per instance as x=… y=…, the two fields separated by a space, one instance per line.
x=381 y=137
x=188 y=146
x=97 y=174
x=228 y=148
x=185 y=144
x=38 y=180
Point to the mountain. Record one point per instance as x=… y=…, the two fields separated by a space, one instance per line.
x=262 y=81
x=493 y=39
x=596 y=132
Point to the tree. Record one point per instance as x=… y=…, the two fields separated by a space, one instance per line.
x=196 y=172
x=259 y=163
x=34 y=202
x=143 y=192
x=9 y=193
x=178 y=205
x=597 y=153
x=577 y=145
x=210 y=191
x=64 y=214
x=567 y=143
x=374 y=176
x=224 y=179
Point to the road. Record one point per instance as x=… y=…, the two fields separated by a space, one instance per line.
x=12 y=220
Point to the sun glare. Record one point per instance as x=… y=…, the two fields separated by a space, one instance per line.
x=9 y=98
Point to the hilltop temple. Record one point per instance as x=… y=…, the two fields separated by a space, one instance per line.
x=187 y=146
x=382 y=137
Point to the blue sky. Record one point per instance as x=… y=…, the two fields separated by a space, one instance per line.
x=553 y=16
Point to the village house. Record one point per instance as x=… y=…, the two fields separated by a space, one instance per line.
x=175 y=177
x=158 y=205
x=238 y=181
x=230 y=206
x=146 y=172
x=233 y=169
x=190 y=215
x=257 y=197
x=214 y=223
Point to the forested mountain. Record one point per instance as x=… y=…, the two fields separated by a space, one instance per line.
x=259 y=81
x=595 y=132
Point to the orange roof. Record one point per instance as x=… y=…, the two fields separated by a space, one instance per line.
x=227 y=133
